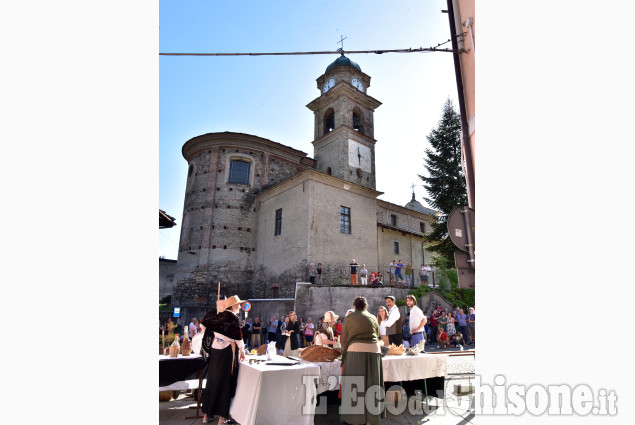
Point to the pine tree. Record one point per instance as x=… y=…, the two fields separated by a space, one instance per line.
x=445 y=182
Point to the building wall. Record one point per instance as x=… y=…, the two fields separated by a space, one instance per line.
x=411 y=246
x=167 y=270
x=410 y=250
x=312 y=301
x=278 y=253
x=310 y=206
x=464 y=9
x=218 y=236
x=326 y=243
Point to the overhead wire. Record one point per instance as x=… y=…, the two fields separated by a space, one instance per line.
x=329 y=52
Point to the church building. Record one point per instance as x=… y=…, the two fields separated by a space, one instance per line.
x=257 y=212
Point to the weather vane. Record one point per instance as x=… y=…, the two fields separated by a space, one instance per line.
x=342 y=38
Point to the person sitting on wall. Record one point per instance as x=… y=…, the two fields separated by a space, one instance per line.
x=457 y=339
x=443 y=340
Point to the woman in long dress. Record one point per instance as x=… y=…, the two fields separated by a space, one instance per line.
x=293 y=340
x=382 y=316
x=223 y=341
x=451 y=328
x=361 y=357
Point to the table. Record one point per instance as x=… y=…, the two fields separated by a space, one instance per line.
x=274 y=395
x=177 y=369
x=396 y=369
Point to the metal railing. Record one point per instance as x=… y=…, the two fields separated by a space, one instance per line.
x=340 y=275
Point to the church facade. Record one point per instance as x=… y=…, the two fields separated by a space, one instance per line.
x=257 y=213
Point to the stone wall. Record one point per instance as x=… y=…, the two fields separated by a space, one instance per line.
x=167 y=270
x=201 y=287
x=313 y=301
x=264 y=309
x=218 y=237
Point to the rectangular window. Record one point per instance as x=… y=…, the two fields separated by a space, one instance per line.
x=393 y=220
x=239 y=172
x=345 y=220
x=278 y=222
x=396 y=247
x=422 y=226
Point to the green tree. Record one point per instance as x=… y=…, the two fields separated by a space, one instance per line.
x=445 y=182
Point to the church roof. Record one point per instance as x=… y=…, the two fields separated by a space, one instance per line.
x=416 y=205
x=342 y=61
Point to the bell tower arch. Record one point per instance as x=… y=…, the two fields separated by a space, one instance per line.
x=344 y=143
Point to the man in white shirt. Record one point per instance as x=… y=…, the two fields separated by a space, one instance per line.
x=394 y=322
x=391 y=271
x=417 y=321
x=426 y=269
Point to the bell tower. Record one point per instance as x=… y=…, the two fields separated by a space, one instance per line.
x=344 y=144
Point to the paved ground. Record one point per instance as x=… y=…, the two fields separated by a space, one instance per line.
x=454 y=410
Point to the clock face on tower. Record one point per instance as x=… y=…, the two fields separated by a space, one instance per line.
x=327 y=85
x=359 y=156
x=357 y=84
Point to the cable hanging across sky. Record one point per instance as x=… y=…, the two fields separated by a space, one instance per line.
x=340 y=51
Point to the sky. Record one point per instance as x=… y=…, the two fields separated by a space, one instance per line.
x=267 y=95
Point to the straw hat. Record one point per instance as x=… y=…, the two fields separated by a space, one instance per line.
x=329 y=316
x=233 y=300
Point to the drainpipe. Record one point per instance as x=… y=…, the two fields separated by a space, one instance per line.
x=465 y=142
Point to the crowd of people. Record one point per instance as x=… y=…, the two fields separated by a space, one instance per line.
x=452 y=328
x=360 y=275
x=305 y=332
x=442 y=327
x=224 y=339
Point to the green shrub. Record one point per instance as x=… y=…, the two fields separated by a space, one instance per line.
x=448 y=280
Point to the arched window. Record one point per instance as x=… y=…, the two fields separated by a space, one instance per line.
x=328 y=171
x=239 y=172
x=357 y=123
x=329 y=120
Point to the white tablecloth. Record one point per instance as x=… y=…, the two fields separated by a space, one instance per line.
x=274 y=394
x=396 y=369
x=410 y=368
x=190 y=384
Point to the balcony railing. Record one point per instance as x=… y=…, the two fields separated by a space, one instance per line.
x=340 y=275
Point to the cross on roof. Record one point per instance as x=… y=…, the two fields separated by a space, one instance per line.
x=342 y=38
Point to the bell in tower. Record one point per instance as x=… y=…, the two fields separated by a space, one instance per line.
x=344 y=144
